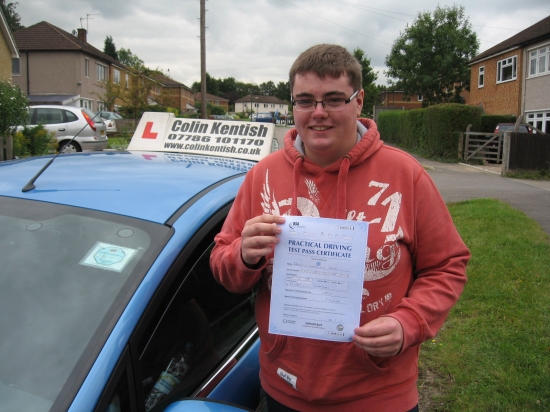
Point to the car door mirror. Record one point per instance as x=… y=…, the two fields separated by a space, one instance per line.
x=204 y=405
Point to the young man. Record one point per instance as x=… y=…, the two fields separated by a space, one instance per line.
x=336 y=166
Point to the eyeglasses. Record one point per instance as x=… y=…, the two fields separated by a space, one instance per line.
x=330 y=105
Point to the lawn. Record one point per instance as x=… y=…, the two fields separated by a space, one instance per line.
x=493 y=353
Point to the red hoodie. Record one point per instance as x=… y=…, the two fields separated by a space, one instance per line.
x=414 y=271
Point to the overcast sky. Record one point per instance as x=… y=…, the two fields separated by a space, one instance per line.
x=258 y=40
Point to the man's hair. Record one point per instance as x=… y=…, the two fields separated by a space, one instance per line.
x=327 y=60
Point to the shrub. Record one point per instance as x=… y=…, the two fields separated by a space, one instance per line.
x=33 y=141
x=431 y=132
x=490 y=121
x=13 y=107
x=442 y=126
x=216 y=110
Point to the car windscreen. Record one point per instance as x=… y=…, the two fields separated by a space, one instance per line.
x=66 y=274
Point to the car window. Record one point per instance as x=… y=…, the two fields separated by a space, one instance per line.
x=49 y=116
x=201 y=324
x=71 y=117
x=192 y=331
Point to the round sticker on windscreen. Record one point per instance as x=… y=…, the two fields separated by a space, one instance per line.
x=109 y=257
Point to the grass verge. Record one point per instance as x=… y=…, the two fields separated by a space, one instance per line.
x=493 y=354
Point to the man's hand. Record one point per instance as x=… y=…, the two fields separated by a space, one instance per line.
x=259 y=236
x=382 y=337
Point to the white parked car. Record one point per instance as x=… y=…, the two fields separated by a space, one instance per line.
x=109 y=120
x=66 y=122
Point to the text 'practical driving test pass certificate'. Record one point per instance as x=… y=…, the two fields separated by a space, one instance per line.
x=318 y=273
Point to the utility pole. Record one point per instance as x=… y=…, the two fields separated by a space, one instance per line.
x=203 y=59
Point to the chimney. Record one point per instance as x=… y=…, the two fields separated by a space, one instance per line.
x=82 y=35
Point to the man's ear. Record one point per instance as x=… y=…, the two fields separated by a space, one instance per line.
x=360 y=99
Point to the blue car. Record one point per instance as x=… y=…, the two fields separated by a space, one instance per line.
x=264 y=117
x=107 y=302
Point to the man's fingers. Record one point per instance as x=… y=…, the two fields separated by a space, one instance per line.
x=259 y=236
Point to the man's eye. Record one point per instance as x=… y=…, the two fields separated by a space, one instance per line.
x=304 y=102
x=334 y=102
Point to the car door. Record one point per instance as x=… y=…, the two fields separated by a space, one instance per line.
x=52 y=119
x=193 y=318
x=73 y=123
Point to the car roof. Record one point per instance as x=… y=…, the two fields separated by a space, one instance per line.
x=145 y=185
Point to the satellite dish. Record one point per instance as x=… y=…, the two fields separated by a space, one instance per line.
x=74 y=32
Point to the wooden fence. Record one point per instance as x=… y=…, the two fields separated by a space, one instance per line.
x=526 y=151
x=6 y=147
x=480 y=146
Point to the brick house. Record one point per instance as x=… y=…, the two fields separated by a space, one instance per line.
x=214 y=100
x=261 y=104
x=513 y=77
x=397 y=98
x=57 y=67
x=174 y=94
x=9 y=55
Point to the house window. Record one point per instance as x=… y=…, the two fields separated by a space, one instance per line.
x=266 y=105
x=126 y=80
x=101 y=72
x=16 y=66
x=101 y=107
x=541 y=120
x=87 y=104
x=507 y=69
x=481 y=77
x=116 y=76
x=539 y=61
x=420 y=97
x=87 y=67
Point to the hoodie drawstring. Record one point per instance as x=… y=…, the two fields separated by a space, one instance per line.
x=296 y=180
x=341 y=193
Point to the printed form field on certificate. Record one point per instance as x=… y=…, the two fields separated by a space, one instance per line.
x=317 y=284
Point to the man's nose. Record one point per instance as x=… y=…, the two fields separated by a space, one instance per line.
x=319 y=110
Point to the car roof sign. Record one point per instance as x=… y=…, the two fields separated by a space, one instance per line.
x=164 y=132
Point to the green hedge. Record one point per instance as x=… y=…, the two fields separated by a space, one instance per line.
x=490 y=121
x=431 y=132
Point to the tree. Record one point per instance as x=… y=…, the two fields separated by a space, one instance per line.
x=12 y=18
x=372 y=93
x=211 y=86
x=13 y=108
x=282 y=91
x=430 y=57
x=125 y=56
x=267 y=88
x=110 y=48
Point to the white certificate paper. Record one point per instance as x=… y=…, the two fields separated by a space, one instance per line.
x=318 y=272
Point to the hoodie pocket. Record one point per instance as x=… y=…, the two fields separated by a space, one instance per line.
x=278 y=346
x=379 y=368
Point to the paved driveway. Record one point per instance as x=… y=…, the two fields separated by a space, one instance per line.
x=458 y=182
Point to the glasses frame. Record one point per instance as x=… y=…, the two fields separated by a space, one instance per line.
x=346 y=101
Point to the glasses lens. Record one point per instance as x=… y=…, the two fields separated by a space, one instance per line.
x=304 y=105
x=334 y=104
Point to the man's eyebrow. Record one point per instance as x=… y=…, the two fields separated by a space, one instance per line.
x=327 y=95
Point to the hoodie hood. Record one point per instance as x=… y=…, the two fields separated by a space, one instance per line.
x=368 y=144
